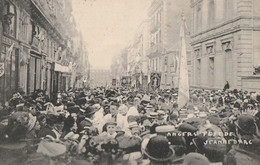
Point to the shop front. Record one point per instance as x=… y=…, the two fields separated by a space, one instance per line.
x=34 y=73
x=61 y=79
x=9 y=69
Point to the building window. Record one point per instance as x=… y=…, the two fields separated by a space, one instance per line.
x=23 y=26
x=198 y=71
x=48 y=45
x=210 y=49
x=9 y=23
x=35 y=38
x=227 y=46
x=211 y=72
x=9 y=82
x=166 y=60
x=211 y=13
x=197 y=53
x=160 y=36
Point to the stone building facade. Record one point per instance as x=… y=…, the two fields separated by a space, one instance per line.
x=226 y=44
x=137 y=60
x=165 y=45
x=37 y=49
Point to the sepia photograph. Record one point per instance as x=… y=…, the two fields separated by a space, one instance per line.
x=129 y=82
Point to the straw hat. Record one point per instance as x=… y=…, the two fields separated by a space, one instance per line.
x=153 y=115
x=164 y=129
x=133 y=125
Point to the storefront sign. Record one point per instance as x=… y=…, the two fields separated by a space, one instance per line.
x=2 y=69
x=61 y=68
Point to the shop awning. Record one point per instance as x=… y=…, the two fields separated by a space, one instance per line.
x=61 y=68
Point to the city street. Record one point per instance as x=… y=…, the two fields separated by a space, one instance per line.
x=135 y=82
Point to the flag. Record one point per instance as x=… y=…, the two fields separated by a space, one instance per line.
x=183 y=92
x=9 y=52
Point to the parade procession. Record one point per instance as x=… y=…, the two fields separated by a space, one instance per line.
x=130 y=82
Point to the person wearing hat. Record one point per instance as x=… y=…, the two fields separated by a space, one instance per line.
x=52 y=129
x=109 y=129
x=214 y=152
x=134 y=128
x=178 y=144
x=47 y=124
x=154 y=101
x=247 y=151
x=145 y=100
x=167 y=98
x=130 y=148
x=146 y=124
x=113 y=113
x=159 y=151
x=137 y=101
x=160 y=103
x=172 y=119
x=148 y=109
x=153 y=117
x=132 y=111
x=122 y=121
x=188 y=129
x=161 y=117
x=195 y=159
x=98 y=117
x=88 y=120
x=226 y=86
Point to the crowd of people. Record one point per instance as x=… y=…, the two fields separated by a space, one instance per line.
x=125 y=126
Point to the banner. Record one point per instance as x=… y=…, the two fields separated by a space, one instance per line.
x=155 y=81
x=2 y=69
x=183 y=92
x=9 y=52
x=113 y=82
x=126 y=81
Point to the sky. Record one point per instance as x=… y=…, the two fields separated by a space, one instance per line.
x=108 y=26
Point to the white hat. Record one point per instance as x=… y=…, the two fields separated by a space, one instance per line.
x=132 y=125
x=164 y=128
x=202 y=114
x=191 y=115
x=160 y=112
